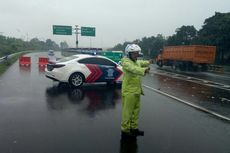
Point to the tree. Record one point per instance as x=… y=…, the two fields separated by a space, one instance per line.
x=34 y=43
x=10 y=45
x=120 y=46
x=216 y=31
x=64 y=45
x=151 y=46
x=184 y=36
x=51 y=44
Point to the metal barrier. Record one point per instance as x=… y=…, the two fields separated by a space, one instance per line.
x=24 y=61
x=5 y=58
x=42 y=61
x=9 y=56
x=216 y=68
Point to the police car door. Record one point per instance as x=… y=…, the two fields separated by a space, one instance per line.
x=108 y=68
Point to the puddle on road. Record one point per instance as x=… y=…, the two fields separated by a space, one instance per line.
x=88 y=99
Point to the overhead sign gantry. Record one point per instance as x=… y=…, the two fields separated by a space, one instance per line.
x=67 y=30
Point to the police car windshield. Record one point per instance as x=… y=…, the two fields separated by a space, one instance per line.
x=65 y=59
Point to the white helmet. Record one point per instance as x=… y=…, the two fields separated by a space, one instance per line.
x=132 y=48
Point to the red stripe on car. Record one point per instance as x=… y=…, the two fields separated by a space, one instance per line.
x=95 y=73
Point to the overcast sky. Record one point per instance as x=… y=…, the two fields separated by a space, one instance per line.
x=115 y=21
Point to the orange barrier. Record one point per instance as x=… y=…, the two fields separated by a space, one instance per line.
x=42 y=61
x=24 y=61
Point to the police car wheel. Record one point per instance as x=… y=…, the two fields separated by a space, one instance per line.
x=76 y=79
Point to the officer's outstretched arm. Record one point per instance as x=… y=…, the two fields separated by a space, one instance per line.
x=132 y=68
x=144 y=63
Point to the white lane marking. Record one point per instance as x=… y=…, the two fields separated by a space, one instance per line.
x=188 y=103
x=194 y=80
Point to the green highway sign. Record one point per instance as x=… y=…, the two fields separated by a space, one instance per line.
x=88 y=31
x=62 y=30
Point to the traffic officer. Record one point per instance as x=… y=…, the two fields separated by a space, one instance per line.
x=133 y=70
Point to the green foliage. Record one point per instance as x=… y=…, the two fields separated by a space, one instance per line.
x=120 y=46
x=150 y=46
x=4 y=65
x=184 y=36
x=10 y=45
x=64 y=45
x=215 y=32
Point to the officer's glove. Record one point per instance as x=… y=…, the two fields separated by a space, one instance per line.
x=151 y=61
x=147 y=70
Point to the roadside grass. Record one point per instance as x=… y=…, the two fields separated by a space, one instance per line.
x=6 y=64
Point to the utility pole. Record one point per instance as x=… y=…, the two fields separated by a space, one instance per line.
x=77 y=28
x=90 y=43
x=27 y=37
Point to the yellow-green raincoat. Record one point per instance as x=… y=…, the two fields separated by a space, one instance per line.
x=131 y=91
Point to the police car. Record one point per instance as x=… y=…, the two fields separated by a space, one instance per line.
x=83 y=68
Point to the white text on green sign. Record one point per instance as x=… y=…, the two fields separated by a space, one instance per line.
x=88 y=31
x=62 y=30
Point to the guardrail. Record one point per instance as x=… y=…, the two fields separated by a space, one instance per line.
x=216 y=68
x=5 y=58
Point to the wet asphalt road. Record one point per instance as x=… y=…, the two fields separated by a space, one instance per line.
x=39 y=116
x=208 y=97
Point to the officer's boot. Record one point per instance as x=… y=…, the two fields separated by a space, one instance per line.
x=127 y=135
x=137 y=132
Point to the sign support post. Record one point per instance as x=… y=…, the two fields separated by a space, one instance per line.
x=67 y=30
x=77 y=28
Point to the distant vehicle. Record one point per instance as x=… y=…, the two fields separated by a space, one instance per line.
x=191 y=57
x=84 y=68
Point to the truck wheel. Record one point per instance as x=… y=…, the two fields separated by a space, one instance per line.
x=195 y=68
x=160 y=63
x=182 y=67
x=174 y=66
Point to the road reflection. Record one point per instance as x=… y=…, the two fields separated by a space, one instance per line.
x=214 y=99
x=89 y=98
x=24 y=69
x=41 y=69
x=128 y=146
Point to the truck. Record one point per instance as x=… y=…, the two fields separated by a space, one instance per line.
x=187 y=57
